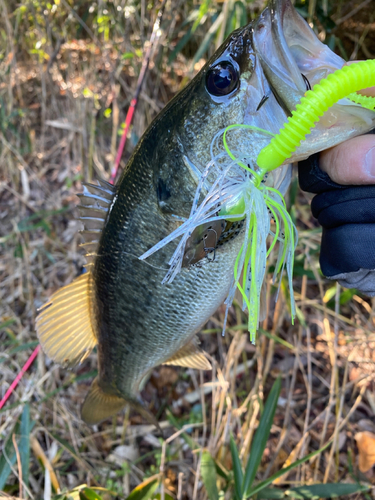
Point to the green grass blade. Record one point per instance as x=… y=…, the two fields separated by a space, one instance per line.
x=206 y=42
x=208 y=473
x=189 y=440
x=271 y=494
x=145 y=490
x=8 y=457
x=222 y=471
x=237 y=468
x=180 y=45
x=201 y=13
x=89 y=494
x=261 y=435
x=259 y=487
x=328 y=490
x=24 y=443
x=276 y=339
x=23 y=347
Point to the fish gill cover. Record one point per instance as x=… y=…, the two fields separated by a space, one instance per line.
x=239 y=192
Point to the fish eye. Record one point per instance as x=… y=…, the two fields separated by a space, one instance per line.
x=222 y=79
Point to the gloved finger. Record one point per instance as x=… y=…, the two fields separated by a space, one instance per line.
x=352 y=162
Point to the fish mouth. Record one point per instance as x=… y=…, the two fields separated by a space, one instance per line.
x=292 y=60
x=291 y=55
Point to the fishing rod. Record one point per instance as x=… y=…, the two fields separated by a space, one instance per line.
x=154 y=39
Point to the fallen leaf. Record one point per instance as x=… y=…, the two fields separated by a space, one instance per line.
x=366 y=448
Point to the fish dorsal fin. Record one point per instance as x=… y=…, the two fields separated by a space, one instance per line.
x=95 y=203
x=64 y=325
x=190 y=356
x=100 y=405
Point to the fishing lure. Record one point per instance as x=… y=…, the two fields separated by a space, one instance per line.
x=241 y=194
x=342 y=83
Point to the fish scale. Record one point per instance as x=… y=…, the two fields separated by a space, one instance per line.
x=120 y=304
x=172 y=313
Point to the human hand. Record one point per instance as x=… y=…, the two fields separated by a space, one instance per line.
x=344 y=179
x=352 y=162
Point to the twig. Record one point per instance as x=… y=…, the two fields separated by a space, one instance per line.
x=156 y=33
x=164 y=450
x=40 y=454
x=352 y=12
x=18 y=464
x=179 y=488
x=154 y=37
x=17 y=195
x=337 y=426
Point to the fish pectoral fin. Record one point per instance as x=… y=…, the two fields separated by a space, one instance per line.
x=100 y=405
x=190 y=356
x=64 y=326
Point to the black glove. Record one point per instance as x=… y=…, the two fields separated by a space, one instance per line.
x=347 y=214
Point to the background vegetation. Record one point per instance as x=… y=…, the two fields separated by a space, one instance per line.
x=68 y=71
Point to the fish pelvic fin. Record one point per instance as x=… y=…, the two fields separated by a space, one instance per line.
x=190 y=356
x=100 y=405
x=64 y=324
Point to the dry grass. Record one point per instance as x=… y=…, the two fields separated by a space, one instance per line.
x=55 y=133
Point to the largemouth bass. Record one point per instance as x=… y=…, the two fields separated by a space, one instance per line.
x=120 y=304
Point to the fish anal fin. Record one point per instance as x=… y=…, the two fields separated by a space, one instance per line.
x=64 y=325
x=189 y=356
x=99 y=405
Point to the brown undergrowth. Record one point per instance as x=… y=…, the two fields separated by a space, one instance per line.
x=67 y=74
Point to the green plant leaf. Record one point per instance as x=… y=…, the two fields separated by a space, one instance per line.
x=88 y=494
x=188 y=439
x=23 y=347
x=202 y=11
x=24 y=443
x=222 y=471
x=261 y=435
x=259 y=487
x=271 y=494
x=328 y=490
x=237 y=468
x=313 y=491
x=145 y=490
x=180 y=45
x=208 y=473
x=83 y=492
x=206 y=42
x=8 y=457
x=65 y=445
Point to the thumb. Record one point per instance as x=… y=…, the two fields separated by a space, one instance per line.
x=352 y=162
